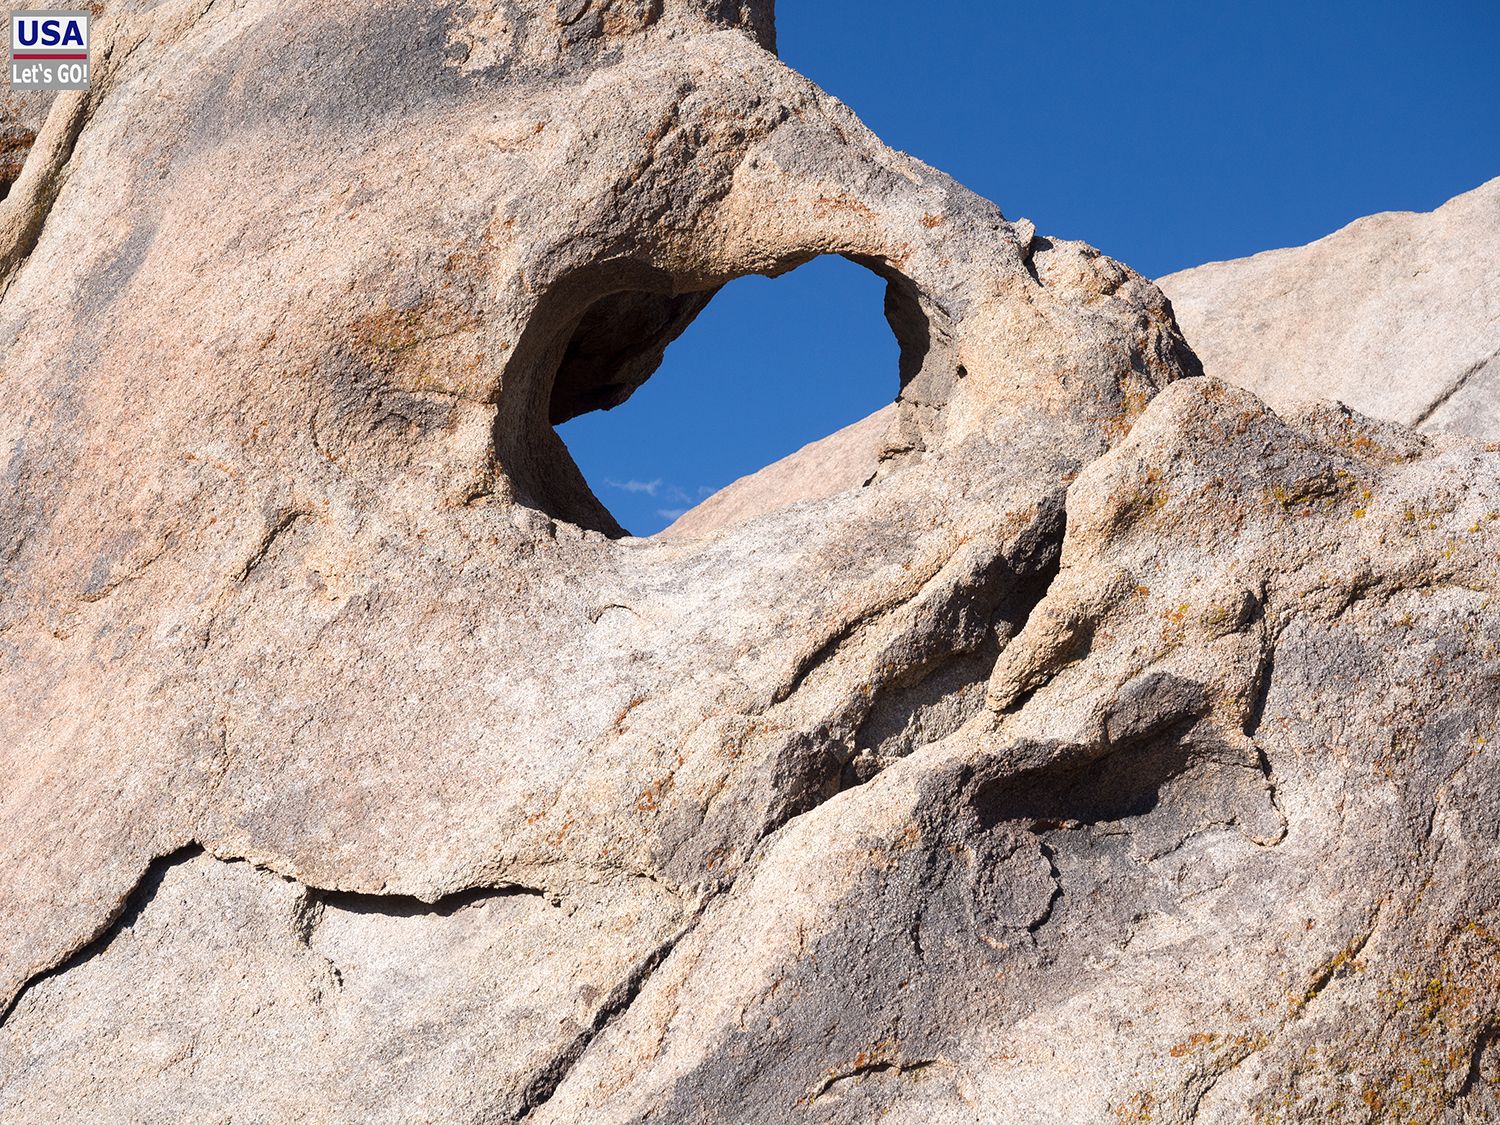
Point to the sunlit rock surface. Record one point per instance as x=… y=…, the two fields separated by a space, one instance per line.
x=1112 y=749
x=1397 y=315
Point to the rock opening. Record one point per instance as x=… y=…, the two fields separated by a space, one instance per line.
x=782 y=391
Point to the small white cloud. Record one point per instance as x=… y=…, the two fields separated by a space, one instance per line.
x=673 y=514
x=704 y=491
x=649 y=487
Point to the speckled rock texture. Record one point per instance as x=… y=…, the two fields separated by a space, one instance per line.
x=1113 y=749
x=1396 y=315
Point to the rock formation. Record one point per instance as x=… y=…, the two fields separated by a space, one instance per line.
x=1397 y=315
x=1115 y=749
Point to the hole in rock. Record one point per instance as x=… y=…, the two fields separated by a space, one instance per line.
x=764 y=370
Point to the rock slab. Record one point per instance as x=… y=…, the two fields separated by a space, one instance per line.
x=1397 y=315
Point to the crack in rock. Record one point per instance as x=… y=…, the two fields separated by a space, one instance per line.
x=550 y=1078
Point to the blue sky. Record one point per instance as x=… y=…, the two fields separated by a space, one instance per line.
x=1165 y=133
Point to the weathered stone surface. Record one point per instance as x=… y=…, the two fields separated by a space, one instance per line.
x=1220 y=848
x=1112 y=748
x=1397 y=315
x=21 y=115
x=223 y=970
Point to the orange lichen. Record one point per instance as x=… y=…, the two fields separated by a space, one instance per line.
x=1193 y=1043
x=1138 y=1110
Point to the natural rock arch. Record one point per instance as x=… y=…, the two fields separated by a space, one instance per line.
x=602 y=343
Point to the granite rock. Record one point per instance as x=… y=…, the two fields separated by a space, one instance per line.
x=1106 y=747
x=1397 y=315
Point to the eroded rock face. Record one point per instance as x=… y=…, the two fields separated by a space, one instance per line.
x=1114 y=747
x=464 y=1003
x=1397 y=315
